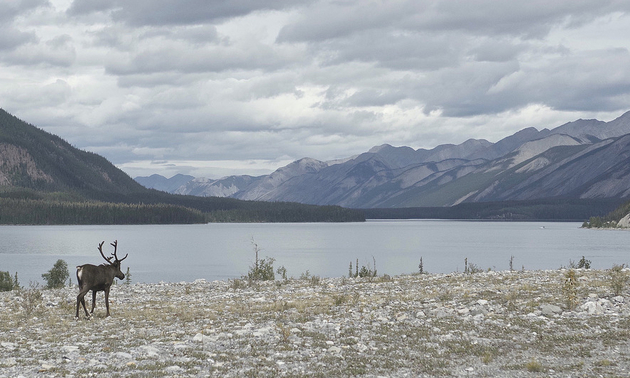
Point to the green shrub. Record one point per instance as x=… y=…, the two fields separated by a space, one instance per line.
x=584 y=263
x=128 y=277
x=57 y=276
x=262 y=270
x=6 y=282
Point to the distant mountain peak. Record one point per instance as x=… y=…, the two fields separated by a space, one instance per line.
x=571 y=160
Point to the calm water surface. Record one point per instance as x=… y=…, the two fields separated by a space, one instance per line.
x=174 y=253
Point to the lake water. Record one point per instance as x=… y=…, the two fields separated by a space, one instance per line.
x=174 y=253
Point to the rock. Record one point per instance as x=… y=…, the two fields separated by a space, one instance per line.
x=549 y=309
x=150 y=351
x=592 y=308
x=334 y=350
x=8 y=345
x=174 y=369
x=70 y=349
x=123 y=355
x=45 y=367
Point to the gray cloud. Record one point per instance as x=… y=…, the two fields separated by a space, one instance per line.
x=169 y=12
x=181 y=82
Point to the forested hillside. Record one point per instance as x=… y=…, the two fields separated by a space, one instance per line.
x=45 y=180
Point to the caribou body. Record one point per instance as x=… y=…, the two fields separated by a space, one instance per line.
x=98 y=278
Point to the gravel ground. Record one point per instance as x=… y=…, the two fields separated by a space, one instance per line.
x=490 y=324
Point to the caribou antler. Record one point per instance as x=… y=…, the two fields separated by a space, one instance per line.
x=100 y=249
x=115 y=245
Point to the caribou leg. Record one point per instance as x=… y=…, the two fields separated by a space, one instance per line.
x=81 y=300
x=93 y=301
x=107 y=301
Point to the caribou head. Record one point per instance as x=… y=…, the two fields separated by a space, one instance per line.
x=98 y=278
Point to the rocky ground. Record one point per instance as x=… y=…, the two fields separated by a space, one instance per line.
x=490 y=324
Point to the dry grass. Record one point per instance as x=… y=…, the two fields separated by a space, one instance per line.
x=439 y=325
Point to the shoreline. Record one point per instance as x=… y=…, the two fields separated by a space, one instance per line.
x=509 y=324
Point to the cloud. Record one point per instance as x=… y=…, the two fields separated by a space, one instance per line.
x=169 y=12
x=188 y=81
x=10 y=36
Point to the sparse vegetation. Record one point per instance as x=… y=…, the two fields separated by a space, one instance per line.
x=486 y=324
x=618 y=278
x=470 y=268
x=31 y=300
x=262 y=270
x=570 y=289
x=584 y=263
x=57 y=276
x=367 y=271
x=534 y=366
x=128 y=277
x=7 y=283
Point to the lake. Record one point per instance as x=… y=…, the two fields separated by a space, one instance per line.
x=174 y=253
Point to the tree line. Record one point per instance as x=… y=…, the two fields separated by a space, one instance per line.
x=44 y=211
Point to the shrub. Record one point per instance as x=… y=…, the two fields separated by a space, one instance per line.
x=57 y=276
x=618 y=278
x=31 y=299
x=570 y=289
x=534 y=366
x=282 y=271
x=584 y=263
x=128 y=277
x=470 y=268
x=262 y=270
x=6 y=282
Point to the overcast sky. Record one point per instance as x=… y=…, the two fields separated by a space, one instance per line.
x=218 y=87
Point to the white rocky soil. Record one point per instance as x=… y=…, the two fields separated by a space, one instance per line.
x=491 y=324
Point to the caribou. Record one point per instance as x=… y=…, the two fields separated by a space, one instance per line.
x=98 y=278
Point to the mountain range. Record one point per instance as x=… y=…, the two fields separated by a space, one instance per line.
x=45 y=180
x=584 y=159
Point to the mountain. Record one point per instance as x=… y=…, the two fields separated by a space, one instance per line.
x=224 y=187
x=579 y=160
x=45 y=180
x=159 y=182
x=34 y=159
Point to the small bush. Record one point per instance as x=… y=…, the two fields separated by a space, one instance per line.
x=584 y=263
x=128 y=277
x=570 y=289
x=31 y=299
x=282 y=271
x=262 y=270
x=470 y=268
x=237 y=284
x=307 y=276
x=534 y=366
x=57 y=276
x=618 y=278
x=6 y=282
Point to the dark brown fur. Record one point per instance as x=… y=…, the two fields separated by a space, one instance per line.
x=98 y=278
